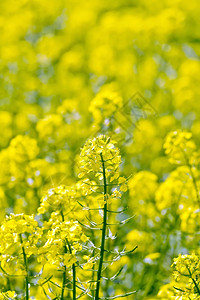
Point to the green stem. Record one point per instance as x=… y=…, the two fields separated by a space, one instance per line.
x=93 y=255
x=26 y=268
x=103 y=233
x=92 y=284
x=73 y=273
x=63 y=283
x=65 y=269
x=194 y=281
x=107 y=274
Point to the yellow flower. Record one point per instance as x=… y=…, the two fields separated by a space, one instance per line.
x=105 y=104
x=180 y=148
x=7 y=295
x=62 y=236
x=94 y=152
x=69 y=259
x=58 y=198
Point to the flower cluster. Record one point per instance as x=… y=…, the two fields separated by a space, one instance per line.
x=186 y=282
x=180 y=148
x=18 y=231
x=96 y=151
x=64 y=239
x=7 y=295
x=68 y=70
x=187 y=265
x=190 y=219
x=61 y=198
x=104 y=105
x=187 y=272
x=177 y=189
x=166 y=291
x=16 y=225
x=142 y=188
x=21 y=150
x=24 y=148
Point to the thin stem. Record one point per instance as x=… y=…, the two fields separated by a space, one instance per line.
x=194 y=281
x=63 y=283
x=73 y=273
x=93 y=255
x=107 y=274
x=26 y=267
x=93 y=273
x=65 y=269
x=103 y=232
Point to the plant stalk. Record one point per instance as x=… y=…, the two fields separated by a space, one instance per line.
x=26 y=268
x=194 y=281
x=73 y=273
x=65 y=270
x=103 y=232
x=63 y=283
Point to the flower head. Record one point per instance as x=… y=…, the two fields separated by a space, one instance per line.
x=97 y=151
x=180 y=148
x=58 y=198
